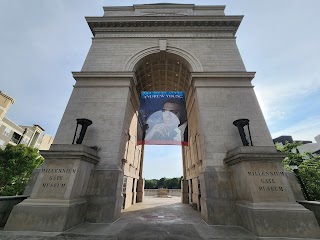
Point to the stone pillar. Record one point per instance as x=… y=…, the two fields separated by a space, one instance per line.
x=140 y=190
x=57 y=201
x=104 y=195
x=185 y=193
x=217 y=196
x=104 y=98
x=265 y=202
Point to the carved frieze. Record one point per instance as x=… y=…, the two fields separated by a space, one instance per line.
x=170 y=26
x=113 y=24
x=164 y=35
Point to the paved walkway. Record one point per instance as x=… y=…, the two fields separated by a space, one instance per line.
x=154 y=219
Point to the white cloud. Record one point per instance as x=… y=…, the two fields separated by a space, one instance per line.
x=278 y=100
x=303 y=130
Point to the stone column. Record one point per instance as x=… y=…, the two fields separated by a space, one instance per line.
x=104 y=98
x=140 y=190
x=57 y=201
x=265 y=202
x=184 y=192
x=141 y=182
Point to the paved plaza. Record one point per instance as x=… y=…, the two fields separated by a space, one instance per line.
x=154 y=219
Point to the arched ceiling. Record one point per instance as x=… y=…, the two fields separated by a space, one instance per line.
x=162 y=72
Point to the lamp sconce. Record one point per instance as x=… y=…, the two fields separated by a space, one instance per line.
x=85 y=123
x=240 y=124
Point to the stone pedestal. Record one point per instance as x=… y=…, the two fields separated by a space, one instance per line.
x=265 y=202
x=163 y=192
x=57 y=201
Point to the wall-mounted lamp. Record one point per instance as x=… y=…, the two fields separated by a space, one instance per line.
x=85 y=123
x=240 y=124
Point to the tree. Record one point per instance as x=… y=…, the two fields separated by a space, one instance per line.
x=17 y=163
x=308 y=167
x=170 y=183
x=150 y=184
x=161 y=182
x=309 y=171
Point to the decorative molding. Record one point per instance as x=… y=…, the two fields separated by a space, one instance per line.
x=253 y=153
x=249 y=157
x=249 y=75
x=174 y=34
x=79 y=75
x=163 y=44
x=163 y=13
x=7 y=97
x=187 y=24
x=103 y=79
x=192 y=60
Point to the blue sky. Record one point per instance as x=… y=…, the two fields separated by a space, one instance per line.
x=42 y=41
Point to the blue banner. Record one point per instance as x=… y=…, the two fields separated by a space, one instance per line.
x=163 y=119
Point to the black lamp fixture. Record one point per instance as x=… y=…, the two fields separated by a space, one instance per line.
x=240 y=124
x=85 y=123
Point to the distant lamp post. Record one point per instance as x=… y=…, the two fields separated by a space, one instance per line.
x=295 y=169
x=85 y=123
x=240 y=124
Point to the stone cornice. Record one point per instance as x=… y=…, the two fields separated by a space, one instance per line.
x=222 y=79
x=167 y=23
x=7 y=97
x=103 y=79
x=249 y=75
x=162 y=6
x=80 y=75
x=253 y=153
x=71 y=151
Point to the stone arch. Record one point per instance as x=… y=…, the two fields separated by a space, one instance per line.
x=162 y=71
x=195 y=64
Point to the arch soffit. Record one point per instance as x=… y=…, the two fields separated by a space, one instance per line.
x=193 y=61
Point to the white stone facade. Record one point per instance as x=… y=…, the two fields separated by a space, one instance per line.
x=217 y=169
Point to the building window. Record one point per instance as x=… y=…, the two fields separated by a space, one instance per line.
x=7 y=132
x=124 y=185
x=1 y=143
x=25 y=140
x=15 y=138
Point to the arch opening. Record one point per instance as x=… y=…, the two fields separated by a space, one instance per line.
x=158 y=72
x=162 y=72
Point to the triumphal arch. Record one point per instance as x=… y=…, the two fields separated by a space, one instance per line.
x=164 y=47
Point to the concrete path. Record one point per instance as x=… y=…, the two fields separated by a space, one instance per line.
x=155 y=219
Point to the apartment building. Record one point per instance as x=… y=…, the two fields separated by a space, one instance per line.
x=12 y=133
x=307 y=146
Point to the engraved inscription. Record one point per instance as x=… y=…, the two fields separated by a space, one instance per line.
x=59 y=170
x=268 y=180
x=59 y=179
x=265 y=173
x=53 y=185
x=272 y=189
